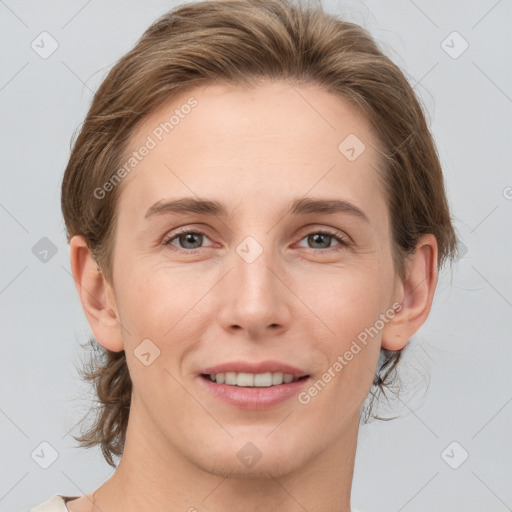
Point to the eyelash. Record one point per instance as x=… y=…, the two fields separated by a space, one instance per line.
x=343 y=241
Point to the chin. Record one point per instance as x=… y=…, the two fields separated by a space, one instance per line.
x=270 y=468
x=260 y=455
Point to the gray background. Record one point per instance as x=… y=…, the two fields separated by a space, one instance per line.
x=457 y=378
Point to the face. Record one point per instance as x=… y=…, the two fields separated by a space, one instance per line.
x=270 y=281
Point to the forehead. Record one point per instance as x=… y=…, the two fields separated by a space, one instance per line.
x=274 y=142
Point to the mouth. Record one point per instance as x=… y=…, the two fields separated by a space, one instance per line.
x=253 y=380
x=255 y=385
x=254 y=391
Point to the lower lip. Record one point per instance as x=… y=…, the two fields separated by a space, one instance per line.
x=254 y=398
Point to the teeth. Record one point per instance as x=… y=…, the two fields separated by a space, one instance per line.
x=230 y=378
x=246 y=379
x=278 y=378
x=257 y=380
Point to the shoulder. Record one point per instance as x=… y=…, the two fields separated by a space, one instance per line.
x=57 y=503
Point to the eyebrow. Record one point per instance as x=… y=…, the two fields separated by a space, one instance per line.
x=302 y=206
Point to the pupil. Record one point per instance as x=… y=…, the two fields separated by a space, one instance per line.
x=319 y=235
x=189 y=238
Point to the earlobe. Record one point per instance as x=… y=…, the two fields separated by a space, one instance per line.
x=417 y=294
x=96 y=296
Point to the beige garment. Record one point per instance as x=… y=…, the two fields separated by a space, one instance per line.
x=57 y=503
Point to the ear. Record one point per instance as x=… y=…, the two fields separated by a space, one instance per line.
x=415 y=294
x=96 y=295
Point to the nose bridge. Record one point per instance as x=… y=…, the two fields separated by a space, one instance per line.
x=256 y=298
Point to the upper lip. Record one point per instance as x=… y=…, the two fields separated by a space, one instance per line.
x=254 y=367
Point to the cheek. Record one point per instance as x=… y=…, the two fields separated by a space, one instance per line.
x=350 y=350
x=348 y=302
x=152 y=302
x=351 y=345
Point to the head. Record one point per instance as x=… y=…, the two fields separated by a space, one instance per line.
x=260 y=107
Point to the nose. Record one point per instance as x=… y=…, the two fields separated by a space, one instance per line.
x=254 y=295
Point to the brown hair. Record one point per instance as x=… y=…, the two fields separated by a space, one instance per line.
x=240 y=42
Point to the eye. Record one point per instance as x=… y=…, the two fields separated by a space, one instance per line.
x=189 y=240
x=323 y=238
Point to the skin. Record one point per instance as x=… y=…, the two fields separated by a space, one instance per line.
x=255 y=150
